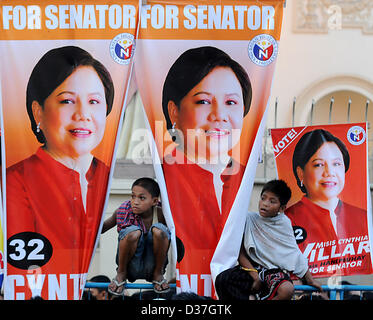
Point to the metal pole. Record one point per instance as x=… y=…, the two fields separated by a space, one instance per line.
x=330 y=110
x=276 y=104
x=312 y=108
x=293 y=115
x=366 y=110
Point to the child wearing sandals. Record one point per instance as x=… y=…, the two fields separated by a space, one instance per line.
x=268 y=253
x=143 y=239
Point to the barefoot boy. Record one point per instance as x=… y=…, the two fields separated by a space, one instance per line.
x=268 y=252
x=143 y=239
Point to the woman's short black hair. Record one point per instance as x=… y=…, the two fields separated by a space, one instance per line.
x=148 y=184
x=280 y=189
x=53 y=69
x=307 y=146
x=190 y=69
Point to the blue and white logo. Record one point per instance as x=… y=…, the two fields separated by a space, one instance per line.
x=122 y=48
x=263 y=49
x=356 y=135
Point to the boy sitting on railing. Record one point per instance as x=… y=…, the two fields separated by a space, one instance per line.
x=268 y=252
x=143 y=239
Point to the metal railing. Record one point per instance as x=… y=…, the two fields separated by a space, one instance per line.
x=135 y=286
x=337 y=291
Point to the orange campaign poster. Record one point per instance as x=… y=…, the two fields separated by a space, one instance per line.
x=2 y=175
x=204 y=71
x=326 y=168
x=65 y=68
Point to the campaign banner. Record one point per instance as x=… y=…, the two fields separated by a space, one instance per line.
x=329 y=208
x=1 y=249
x=2 y=175
x=65 y=68
x=204 y=72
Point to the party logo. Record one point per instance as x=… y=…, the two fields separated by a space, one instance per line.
x=356 y=135
x=122 y=48
x=263 y=49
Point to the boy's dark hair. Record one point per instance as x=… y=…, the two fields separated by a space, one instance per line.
x=148 y=184
x=191 y=296
x=280 y=189
x=102 y=279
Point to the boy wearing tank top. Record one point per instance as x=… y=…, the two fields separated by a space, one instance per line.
x=143 y=239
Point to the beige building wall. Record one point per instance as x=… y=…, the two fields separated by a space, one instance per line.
x=315 y=61
x=325 y=53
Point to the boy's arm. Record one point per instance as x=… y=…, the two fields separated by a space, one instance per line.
x=161 y=218
x=109 y=223
x=245 y=263
x=243 y=259
x=311 y=281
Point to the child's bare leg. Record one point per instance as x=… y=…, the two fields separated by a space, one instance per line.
x=160 y=248
x=285 y=291
x=127 y=248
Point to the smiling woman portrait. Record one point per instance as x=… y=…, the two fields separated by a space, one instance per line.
x=320 y=162
x=59 y=192
x=206 y=96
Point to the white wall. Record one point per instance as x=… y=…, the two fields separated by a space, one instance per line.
x=307 y=60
